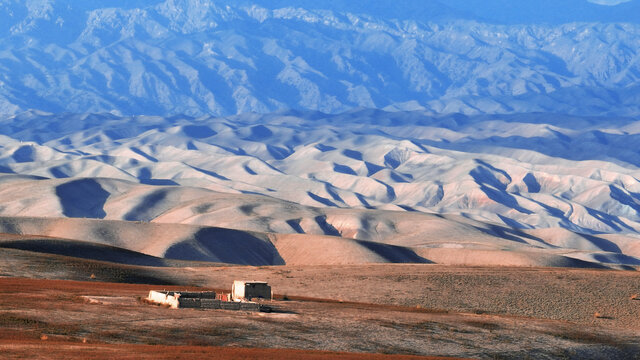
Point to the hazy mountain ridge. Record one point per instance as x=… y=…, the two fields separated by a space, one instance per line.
x=191 y=57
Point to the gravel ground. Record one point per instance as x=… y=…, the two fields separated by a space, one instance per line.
x=574 y=295
x=477 y=312
x=58 y=311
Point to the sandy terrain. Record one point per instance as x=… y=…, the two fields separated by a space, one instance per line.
x=409 y=232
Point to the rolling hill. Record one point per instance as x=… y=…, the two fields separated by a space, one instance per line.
x=373 y=186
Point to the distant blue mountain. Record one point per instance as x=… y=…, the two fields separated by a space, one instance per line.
x=493 y=11
x=547 y=11
x=227 y=57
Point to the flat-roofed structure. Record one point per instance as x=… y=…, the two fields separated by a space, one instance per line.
x=247 y=290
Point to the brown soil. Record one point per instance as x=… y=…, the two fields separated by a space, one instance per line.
x=545 y=293
x=429 y=310
x=45 y=349
x=57 y=311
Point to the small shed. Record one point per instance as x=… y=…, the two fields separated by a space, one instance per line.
x=247 y=290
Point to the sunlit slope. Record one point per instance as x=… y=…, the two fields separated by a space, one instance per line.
x=201 y=225
x=566 y=186
x=525 y=171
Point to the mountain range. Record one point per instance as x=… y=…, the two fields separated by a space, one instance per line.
x=192 y=57
x=268 y=132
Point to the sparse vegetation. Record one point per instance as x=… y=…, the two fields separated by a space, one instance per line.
x=334 y=324
x=599 y=315
x=11 y=320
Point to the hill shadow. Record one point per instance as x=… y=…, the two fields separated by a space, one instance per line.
x=394 y=254
x=83 y=198
x=198 y=131
x=84 y=250
x=227 y=246
x=6 y=170
x=593 y=145
x=145 y=210
x=24 y=154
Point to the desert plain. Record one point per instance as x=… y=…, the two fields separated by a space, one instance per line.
x=339 y=311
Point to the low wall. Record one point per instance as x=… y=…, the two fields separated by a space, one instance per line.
x=199 y=303
x=193 y=300
x=197 y=294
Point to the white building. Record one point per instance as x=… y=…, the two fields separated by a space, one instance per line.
x=247 y=290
